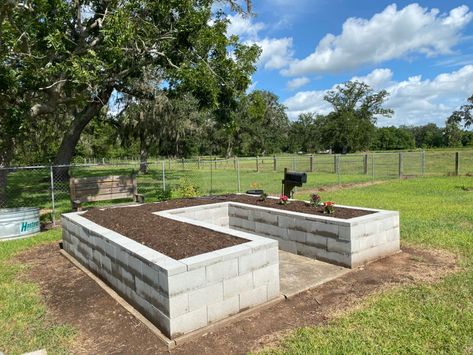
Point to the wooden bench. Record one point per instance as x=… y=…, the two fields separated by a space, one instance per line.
x=102 y=188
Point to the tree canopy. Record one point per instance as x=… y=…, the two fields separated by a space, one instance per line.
x=60 y=61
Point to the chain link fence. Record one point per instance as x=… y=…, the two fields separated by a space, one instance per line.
x=47 y=187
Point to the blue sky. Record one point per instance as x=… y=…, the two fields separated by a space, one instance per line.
x=421 y=53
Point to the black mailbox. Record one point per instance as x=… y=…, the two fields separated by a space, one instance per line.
x=292 y=176
x=291 y=180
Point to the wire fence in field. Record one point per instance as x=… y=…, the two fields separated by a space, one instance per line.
x=47 y=187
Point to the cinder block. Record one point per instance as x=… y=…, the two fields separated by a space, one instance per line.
x=151 y=276
x=188 y=322
x=253 y=297
x=202 y=260
x=334 y=258
x=128 y=278
x=106 y=263
x=248 y=263
x=185 y=282
x=286 y=222
x=134 y=265
x=307 y=250
x=297 y=236
x=316 y=241
x=325 y=229
x=338 y=246
x=205 y=296
x=223 y=309
x=232 y=287
x=178 y=305
x=265 y=275
x=344 y=233
x=269 y=218
x=278 y=232
x=222 y=270
x=152 y=295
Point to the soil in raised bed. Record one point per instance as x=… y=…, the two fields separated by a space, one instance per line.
x=181 y=240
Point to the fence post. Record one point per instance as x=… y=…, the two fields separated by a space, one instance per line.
x=365 y=164
x=457 y=163
x=198 y=163
x=422 y=163
x=183 y=167
x=234 y=162
x=257 y=164
x=53 y=214
x=215 y=160
x=274 y=163
x=211 y=177
x=311 y=163
x=401 y=163
x=372 y=166
x=164 y=175
x=337 y=166
x=238 y=175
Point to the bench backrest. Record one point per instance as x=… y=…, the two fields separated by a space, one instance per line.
x=89 y=189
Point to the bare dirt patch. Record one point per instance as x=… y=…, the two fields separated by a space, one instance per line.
x=105 y=327
x=181 y=240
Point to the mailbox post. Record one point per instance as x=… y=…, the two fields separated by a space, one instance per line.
x=291 y=180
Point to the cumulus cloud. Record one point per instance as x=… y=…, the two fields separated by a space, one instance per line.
x=276 y=53
x=415 y=100
x=388 y=35
x=244 y=27
x=297 y=82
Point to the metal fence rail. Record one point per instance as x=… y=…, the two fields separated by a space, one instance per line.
x=47 y=187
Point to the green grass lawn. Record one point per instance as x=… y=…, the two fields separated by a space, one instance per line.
x=426 y=318
x=23 y=323
x=422 y=319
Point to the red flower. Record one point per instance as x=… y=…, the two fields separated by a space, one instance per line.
x=328 y=203
x=283 y=198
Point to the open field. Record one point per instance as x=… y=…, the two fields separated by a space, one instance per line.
x=424 y=318
x=32 y=187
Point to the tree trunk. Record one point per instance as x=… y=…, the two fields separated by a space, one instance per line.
x=71 y=137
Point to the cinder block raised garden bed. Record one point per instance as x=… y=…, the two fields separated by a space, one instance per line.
x=187 y=263
x=178 y=296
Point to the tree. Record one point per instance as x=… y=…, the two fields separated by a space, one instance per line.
x=68 y=57
x=453 y=135
x=391 y=138
x=464 y=115
x=304 y=135
x=351 y=125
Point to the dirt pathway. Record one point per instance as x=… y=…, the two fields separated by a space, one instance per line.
x=104 y=327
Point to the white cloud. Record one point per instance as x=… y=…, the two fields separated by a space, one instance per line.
x=276 y=53
x=297 y=82
x=387 y=35
x=244 y=27
x=415 y=101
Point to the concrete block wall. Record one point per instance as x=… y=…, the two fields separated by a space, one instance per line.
x=178 y=296
x=348 y=243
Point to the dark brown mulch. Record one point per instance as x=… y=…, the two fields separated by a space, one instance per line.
x=181 y=240
x=300 y=206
